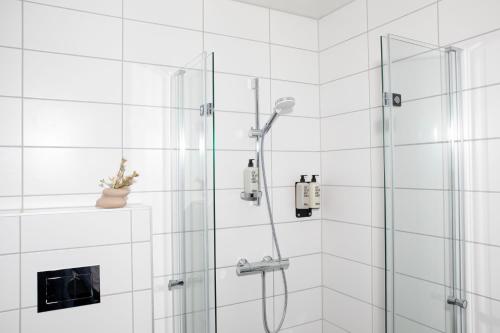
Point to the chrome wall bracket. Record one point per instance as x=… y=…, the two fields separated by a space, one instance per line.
x=461 y=303
x=267 y=264
x=391 y=99
x=175 y=284
x=206 y=108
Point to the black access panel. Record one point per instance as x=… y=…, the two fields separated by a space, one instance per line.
x=67 y=288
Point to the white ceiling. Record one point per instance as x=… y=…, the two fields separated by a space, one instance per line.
x=311 y=8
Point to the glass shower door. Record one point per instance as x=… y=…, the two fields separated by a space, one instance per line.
x=422 y=158
x=191 y=132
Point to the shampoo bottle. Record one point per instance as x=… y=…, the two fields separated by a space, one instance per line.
x=302 y=194
x=314 y=193
x=251 y=178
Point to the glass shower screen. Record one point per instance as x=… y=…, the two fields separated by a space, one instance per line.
x=423 y=172
x=191 y=133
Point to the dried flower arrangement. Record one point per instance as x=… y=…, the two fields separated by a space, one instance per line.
x=120 y=180
x=116 y=188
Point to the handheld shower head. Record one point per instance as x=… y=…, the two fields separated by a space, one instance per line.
x=283 y=105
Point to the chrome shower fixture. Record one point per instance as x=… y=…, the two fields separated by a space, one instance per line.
x=267 y=264
x=282 y=106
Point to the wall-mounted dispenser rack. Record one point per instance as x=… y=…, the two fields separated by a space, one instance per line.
x=307 y=196
x=255 y=196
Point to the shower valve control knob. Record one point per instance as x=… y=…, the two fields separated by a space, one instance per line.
x=242 y=262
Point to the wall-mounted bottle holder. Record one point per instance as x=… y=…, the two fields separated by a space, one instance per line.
x=303 y=212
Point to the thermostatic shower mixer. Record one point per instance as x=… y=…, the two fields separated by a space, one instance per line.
x=267 y=264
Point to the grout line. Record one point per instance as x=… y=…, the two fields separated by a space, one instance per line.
x=173 y=67
x=102 y=295
x=270 y=297
x=267 y=43
x=321 y=143
x=122 y=115
x=336 y=326
x=302 y=324
x=348 y=295
x=368 y=30
x=372 y=252
x=22 y=165
x=132 y=264
x=339 y=8
x=351 y=260
x=418 y=323
x=20 y=273
x=73 y=248
x=71 y=9
x=465 y=90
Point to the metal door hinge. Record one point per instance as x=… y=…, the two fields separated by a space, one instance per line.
x=462 y=303
x=208 y=108
x=174 y=284
x=392 y=100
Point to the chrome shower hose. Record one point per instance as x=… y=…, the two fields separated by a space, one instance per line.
x=275 y=239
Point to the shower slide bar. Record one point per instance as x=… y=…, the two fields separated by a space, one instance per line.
x=267 y=264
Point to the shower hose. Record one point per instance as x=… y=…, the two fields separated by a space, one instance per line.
x=275 y=238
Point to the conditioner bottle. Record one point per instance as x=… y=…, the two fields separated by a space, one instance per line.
x=314 y=193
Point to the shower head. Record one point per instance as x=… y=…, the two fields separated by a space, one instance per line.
x=283 y=105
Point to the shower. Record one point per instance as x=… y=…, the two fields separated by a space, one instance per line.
x=268 y=264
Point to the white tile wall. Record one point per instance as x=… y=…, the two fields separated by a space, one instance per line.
x=68 y=31
x=96 y=82
x=112 y=65
x=349 y=40
x=54 y=76
x=149 y=50
x=112 y=7
x=71 y=124
x=186 y=14
x=10 y=23
x=10 y=69
x=89 y=237
x=292 y=30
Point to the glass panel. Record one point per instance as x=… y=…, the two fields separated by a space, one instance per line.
x=421 y=180
x=192 y=212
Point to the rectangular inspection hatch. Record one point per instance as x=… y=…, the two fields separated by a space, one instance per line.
x=67 y=288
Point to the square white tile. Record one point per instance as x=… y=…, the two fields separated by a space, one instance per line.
x=11 y=121
x=10 y=23
x=342 y=24
x=9 y=288
x=67 y=230
x=237 y=19
x=53 y=76
x=68 y=31
x=186 y=14
x=151 y=43
x=10 y=72
x=294 y=64
x=71 y=124
x=293 y=30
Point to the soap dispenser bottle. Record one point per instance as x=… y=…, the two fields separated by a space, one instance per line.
x=302 y=193
x=314 y=193
x=251 y=178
